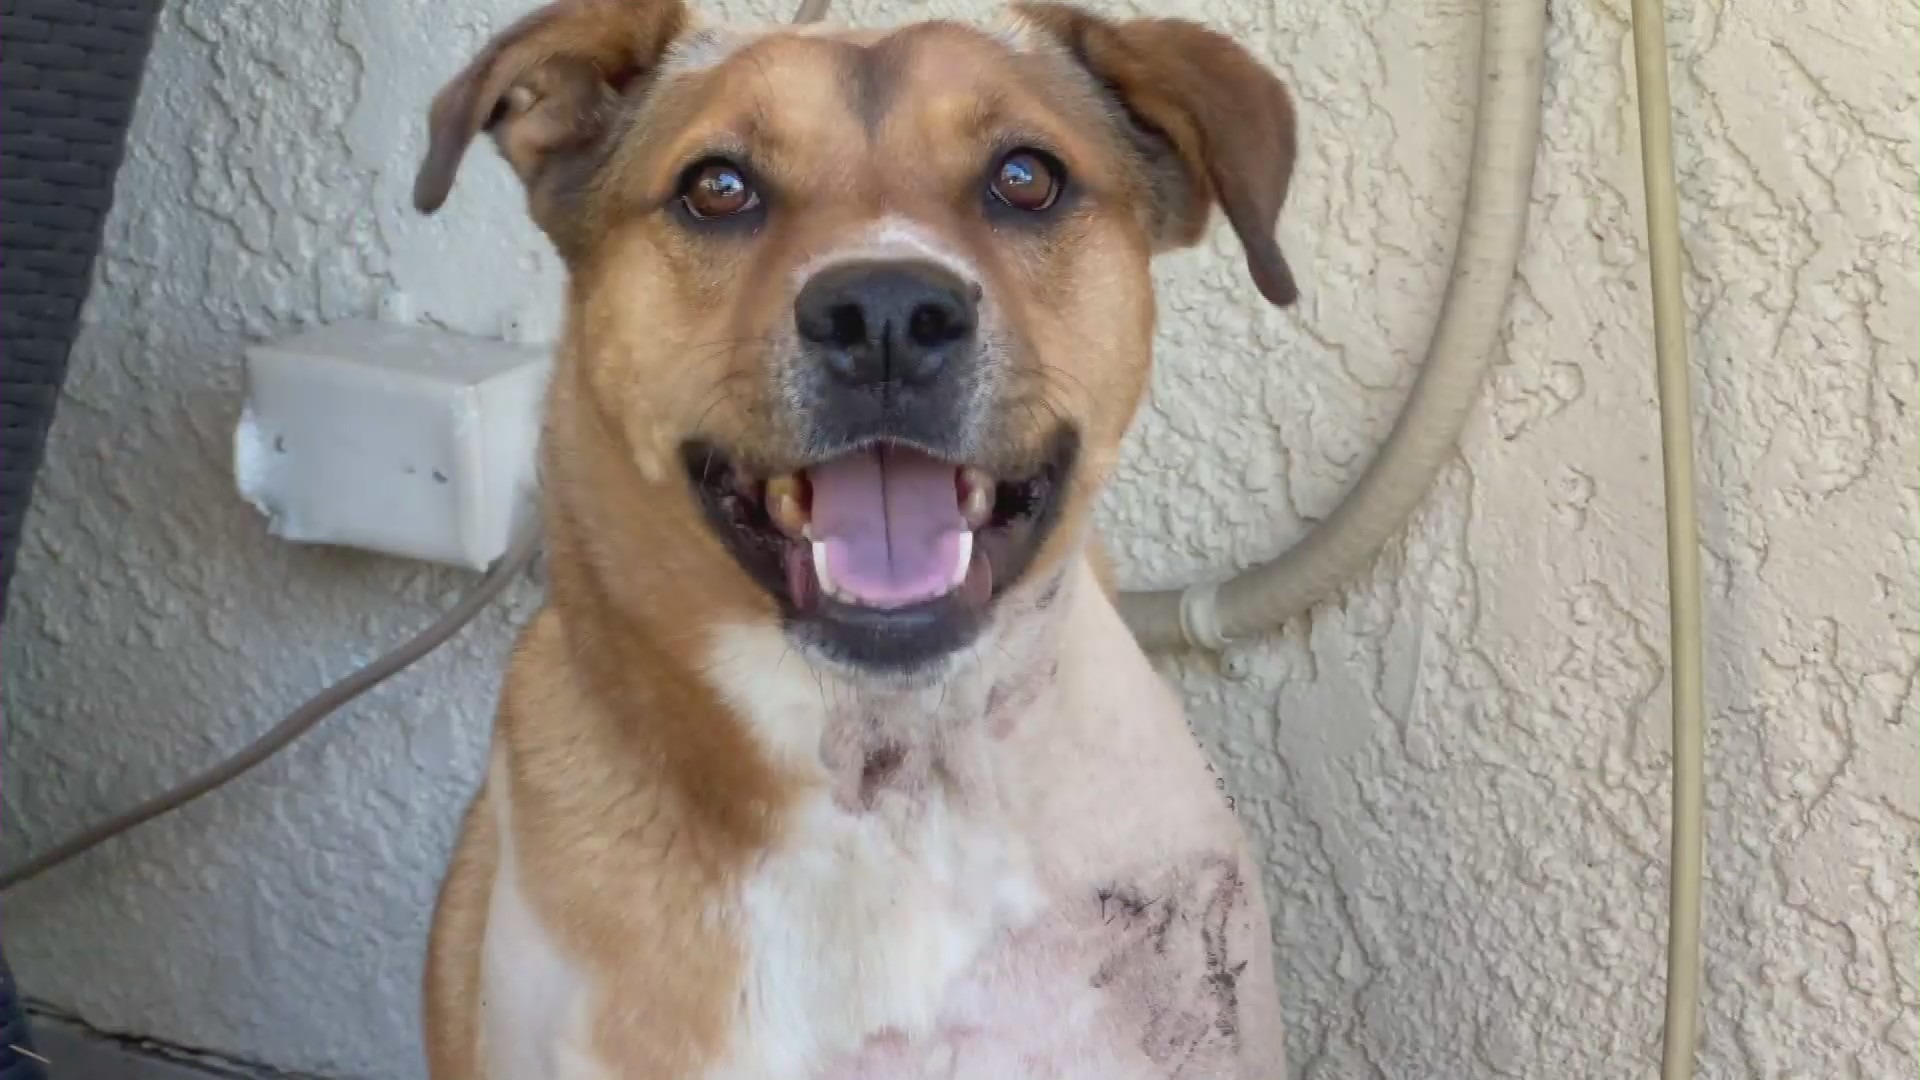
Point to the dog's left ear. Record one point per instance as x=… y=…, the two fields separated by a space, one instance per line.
x=1211 y=122
x=548 y=89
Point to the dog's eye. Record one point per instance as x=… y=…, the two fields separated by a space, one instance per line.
x=717 y=189
x=1027 y=180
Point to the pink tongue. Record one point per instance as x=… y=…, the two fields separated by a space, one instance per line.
x=890 y=519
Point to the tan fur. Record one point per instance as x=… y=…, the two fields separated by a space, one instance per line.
x=453 y=963
x=646 y=779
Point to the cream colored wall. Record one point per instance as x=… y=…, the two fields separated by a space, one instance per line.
x=1458 y=766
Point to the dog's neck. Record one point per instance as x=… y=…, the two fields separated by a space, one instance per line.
x=742 y=692
x=695 y=683
x=861 y=736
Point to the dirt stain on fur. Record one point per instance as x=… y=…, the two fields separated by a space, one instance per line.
x=1172 y=963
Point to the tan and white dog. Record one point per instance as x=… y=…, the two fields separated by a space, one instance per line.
x=829 y=756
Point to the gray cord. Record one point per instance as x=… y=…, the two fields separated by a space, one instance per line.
x=300 y=721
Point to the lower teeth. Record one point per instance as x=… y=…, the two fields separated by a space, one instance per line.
x=962 y=564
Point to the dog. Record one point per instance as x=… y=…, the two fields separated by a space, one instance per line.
x=829 y=755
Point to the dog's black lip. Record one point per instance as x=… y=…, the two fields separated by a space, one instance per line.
x=819 y=455
x=894 y=639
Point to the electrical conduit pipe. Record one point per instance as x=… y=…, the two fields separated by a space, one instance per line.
x=1506 y=135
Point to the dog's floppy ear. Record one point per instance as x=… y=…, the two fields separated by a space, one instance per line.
x=1212 y=123
x=546 y=89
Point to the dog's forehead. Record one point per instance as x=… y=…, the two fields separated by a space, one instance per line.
x=800 y=75
x=707 y=45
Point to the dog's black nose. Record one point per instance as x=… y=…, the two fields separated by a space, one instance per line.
x=886 y=324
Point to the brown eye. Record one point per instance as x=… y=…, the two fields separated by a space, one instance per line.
x=717 y=190
x=1026 y=180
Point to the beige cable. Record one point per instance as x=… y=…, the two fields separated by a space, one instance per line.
x=1499 y=193
x=1683 y=544
x=1209 y=615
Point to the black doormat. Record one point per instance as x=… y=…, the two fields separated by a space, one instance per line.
x=69 y=75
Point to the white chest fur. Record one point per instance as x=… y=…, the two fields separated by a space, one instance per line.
x=879 y=896
x=860 y=925
x=534 y=1002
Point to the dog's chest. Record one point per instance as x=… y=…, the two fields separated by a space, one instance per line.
x=953 y=904
x=866 y=920
x=1132 y=981
x=885 y=951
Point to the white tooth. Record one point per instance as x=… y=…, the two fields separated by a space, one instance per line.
x=784 y=506
x=961 y=561
x=977 y=504
x=827 y=585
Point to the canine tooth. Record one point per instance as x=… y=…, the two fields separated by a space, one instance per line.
x=784 y=506
x=961 y=562
x=976 y=500
x=828 y=587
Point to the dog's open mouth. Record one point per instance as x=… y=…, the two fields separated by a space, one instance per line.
x=901 y=550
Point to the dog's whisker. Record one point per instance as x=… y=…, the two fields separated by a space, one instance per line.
x=720 y=397
x=1052 y=374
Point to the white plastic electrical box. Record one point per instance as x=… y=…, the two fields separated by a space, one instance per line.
x=399 y=439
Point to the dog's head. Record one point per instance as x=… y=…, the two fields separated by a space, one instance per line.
x=862 y=317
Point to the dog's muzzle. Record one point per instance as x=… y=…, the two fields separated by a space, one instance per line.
x=890 y=349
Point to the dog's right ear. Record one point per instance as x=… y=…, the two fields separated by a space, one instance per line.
x=1214 y=126
x=547 y=90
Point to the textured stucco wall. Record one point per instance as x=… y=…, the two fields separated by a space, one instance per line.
x=1458 y=767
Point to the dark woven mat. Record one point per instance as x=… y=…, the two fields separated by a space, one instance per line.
x=17 y=1060
x=69 y=73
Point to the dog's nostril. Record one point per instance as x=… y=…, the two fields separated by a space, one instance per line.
x=876 y=324
x=846 y=326
x=934 y=324
x=836 y=326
